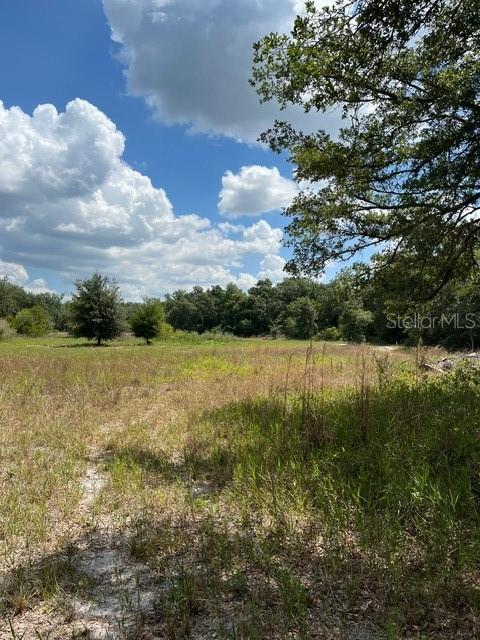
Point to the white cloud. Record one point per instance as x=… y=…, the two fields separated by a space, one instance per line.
x=262 y=233
x=39 y=285
x=51 y=155
x=245 y=281
x=228 y=227
x=70 y=203
x=15 y=273
x=271 y=267
x=255 y=190
x=191 y=60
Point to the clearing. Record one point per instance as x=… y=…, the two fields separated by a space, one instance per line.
x=236 y=489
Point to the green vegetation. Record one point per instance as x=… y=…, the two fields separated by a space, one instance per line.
x=354 y=322
x=5 y=329
x=148 y=321
x=301 y=316
x=265 y=489
x=402 y=175
x=33 y=321
x=330 y=334
x=95 y=309
x=357 y=305
x=389 y=491
x=14 y=298
x=243 y=489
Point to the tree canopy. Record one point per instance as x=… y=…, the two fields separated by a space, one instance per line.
x=148 y=321
x=358 y=304
x=14 y=298
x=95 y=309
x=403 y=173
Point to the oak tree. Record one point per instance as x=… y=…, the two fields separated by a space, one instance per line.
x=402 y=175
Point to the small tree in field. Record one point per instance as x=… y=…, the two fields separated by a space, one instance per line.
x=95 y=309
x=148 y=321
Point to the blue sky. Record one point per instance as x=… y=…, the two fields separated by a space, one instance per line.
x=186 y=196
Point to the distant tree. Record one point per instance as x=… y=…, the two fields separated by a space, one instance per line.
x=148 y=321
x=63 y=321
x=129 y=309
x=264 y=307
x=355 y=321
x=206 y=305
x=291 y=289
x=182 y=312
x=52 y=302
x=13 y=298
x=234 y=308
x=276 y=330
x=95 y=309
x=300 y=320
x=244 y=328
x=34 y=322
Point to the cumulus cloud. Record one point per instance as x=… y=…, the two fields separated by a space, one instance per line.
x=50 y=155
x=271 y=267
x=39 y=285
x=191 y=60
x=255 y=190
x=70 y=203
x=15 y=273
x=245 y=281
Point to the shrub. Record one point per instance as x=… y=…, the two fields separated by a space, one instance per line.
x=148 y=321
x=33 y=322
x=276 y=331
x=168 y=331
x=330 y=333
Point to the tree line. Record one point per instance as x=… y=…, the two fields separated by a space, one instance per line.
x=357 y=305
x=95 y=311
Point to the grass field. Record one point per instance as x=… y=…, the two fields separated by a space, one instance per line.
x=240 y=489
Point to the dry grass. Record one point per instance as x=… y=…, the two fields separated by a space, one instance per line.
x=184 y=438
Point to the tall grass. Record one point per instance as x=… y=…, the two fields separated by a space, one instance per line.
x=274 y=493
x=384 y=479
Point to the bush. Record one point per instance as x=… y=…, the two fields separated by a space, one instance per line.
x=167 y=331
x=148 y=321
x=276 y=331
x=331 y=334
x=32 y=322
